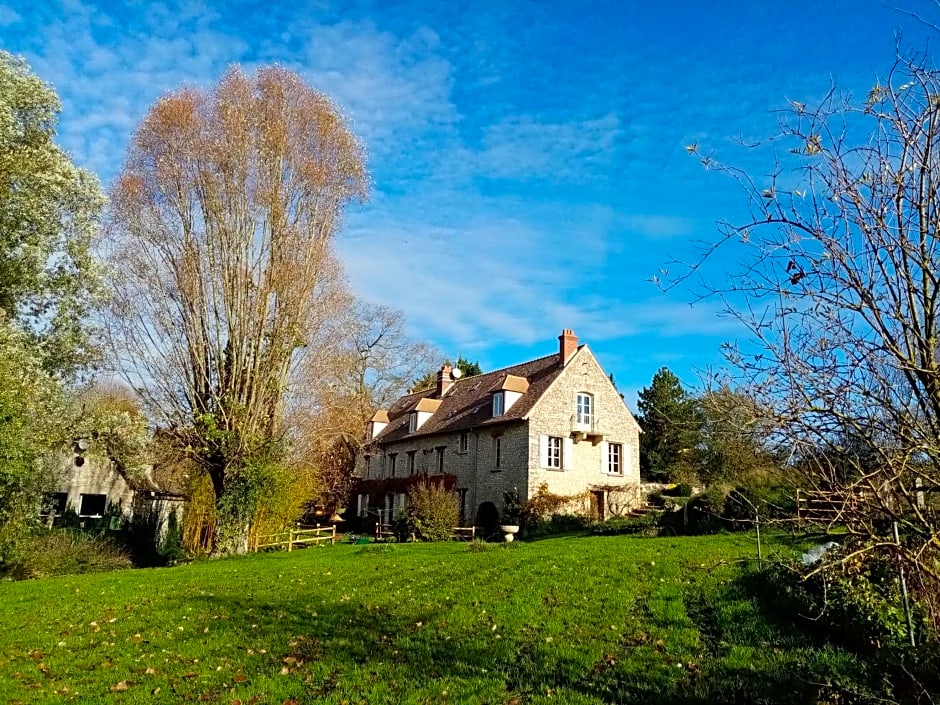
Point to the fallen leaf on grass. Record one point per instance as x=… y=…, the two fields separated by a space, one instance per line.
x=240 y=679
x=118 y=687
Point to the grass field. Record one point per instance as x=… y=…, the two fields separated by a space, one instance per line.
x=562 y=620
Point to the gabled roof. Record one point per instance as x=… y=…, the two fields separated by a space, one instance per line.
x=468 y=403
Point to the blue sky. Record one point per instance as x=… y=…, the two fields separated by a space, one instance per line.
x=527 y=158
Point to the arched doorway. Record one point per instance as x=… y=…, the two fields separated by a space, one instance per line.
x=487 y=519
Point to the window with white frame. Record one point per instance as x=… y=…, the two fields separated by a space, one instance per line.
x=553 y=455
x=92 y=505
x=362 y=505
x=464 y=441
x=392 y=461
x=585 y=408
x=412 y=422
x=615 y=458
x=499 y=403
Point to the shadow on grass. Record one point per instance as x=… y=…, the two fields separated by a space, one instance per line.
x=350 y=647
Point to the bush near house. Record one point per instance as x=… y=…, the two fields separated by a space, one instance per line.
x=433 y=511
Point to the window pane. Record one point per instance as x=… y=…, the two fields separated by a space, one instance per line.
x=92 y=505
x=554 y=452
x=614 y=455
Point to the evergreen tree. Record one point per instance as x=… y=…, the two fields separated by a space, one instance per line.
x=671 y=429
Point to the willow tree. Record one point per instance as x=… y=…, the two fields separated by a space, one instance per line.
x=220 y=227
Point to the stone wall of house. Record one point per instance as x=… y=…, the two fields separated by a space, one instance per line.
x=93 y=474
x=475 y=468
x=588 y=463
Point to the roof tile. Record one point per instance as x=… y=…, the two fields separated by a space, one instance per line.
x=467 y=403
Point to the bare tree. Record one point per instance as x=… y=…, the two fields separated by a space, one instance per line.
x=371 y=364
x=220 y=227
x=840 y=287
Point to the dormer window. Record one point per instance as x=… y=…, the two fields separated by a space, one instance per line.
x=421 y=412
x=499 y=404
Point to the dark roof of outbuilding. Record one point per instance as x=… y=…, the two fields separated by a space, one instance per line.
x=467 y=404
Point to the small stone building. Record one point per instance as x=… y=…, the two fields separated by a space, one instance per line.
x=556 y=421
x=93 y=486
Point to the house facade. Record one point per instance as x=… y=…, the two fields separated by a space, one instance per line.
x=556 y=421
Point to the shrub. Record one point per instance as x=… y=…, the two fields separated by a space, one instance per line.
x=543 y=504
x=433 y=511
x=172 y=547
x=558 y=524
x=645 y=525
x=66 y=552
x=141 y=539
x=401 y=526
x=683 y=489
x=512 y=508
x=859 y=602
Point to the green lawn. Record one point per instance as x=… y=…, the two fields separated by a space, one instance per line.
x=563 y=620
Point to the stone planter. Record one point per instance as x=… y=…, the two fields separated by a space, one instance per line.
x=509 y=531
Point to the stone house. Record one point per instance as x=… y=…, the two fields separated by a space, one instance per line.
x=94 y=486
x=556 y=421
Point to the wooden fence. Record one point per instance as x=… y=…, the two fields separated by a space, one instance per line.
x=300 y=536
x=827 y=507
x=383 y=532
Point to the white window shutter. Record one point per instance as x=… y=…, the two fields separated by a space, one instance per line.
x=543 y=451
x=604 y=457
x=567 y=454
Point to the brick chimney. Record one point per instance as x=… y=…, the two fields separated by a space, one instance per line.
x=567 y=344
x=445 y=380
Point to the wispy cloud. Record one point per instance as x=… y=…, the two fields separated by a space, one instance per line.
x=523 y=147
